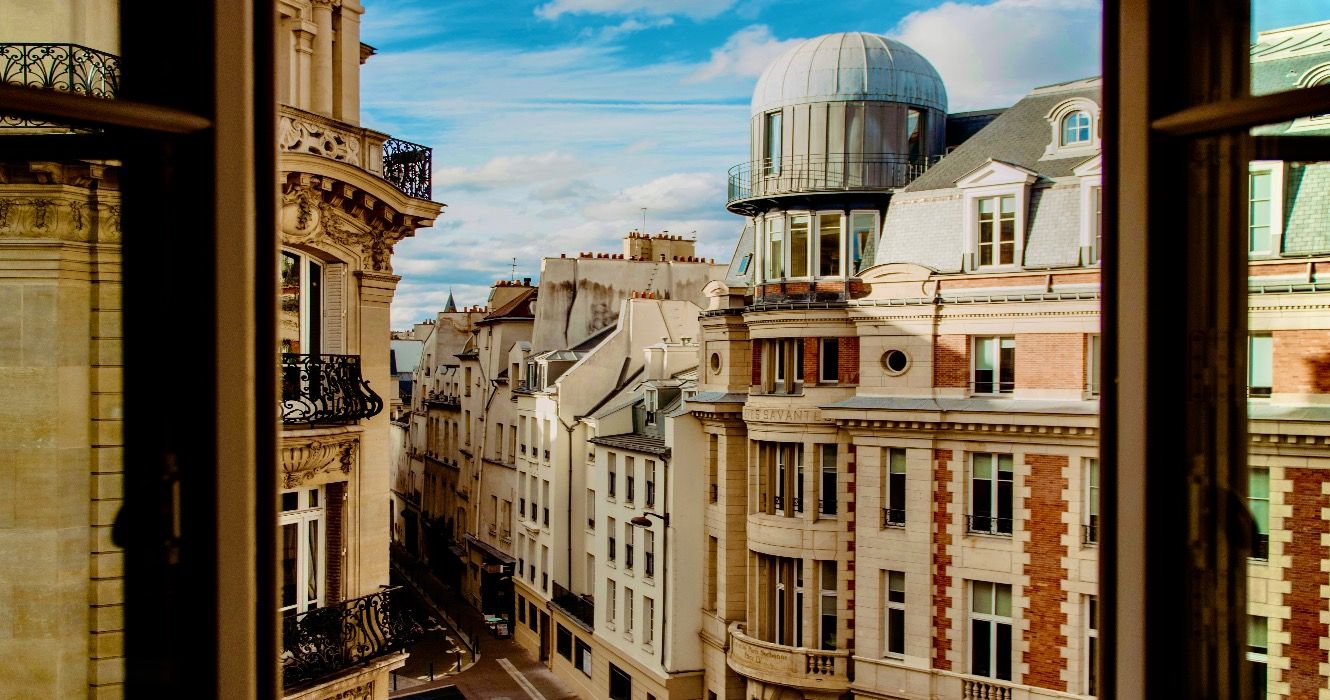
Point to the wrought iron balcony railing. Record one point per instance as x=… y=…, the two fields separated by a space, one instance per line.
x=325 y=389
x=64 y=67
x=806 y=174
x=893 y=517
x=326 y=641
x=988 y=525
x=408 y=166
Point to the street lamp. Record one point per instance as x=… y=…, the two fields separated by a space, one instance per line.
x=644 y=520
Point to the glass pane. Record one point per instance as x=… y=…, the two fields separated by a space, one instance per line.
x=1002 y=595
x=290 y=554
x=897 y=461
x=982 y=597
x=288 y=322
x=829 y=244
x=1002 y=652
x=981 y=648
x=983 y=466
x=799 y=246
x=983 y=353
x=314 y=558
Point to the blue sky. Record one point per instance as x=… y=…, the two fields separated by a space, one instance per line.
x=554 y=122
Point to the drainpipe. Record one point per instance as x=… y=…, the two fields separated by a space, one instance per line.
x=569 y=510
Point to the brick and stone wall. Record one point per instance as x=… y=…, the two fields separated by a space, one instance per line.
x=942 y=498
x=951 y=361
x=1303 y=359
x=1050 y=360
x=1044 y=618
x=1305 y=578
x=848 y=359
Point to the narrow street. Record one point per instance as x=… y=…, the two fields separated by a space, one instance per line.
x=458 y=657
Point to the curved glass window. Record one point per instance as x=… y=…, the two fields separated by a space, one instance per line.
x=1076 y=128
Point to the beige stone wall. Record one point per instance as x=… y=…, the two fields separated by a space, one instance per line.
x=61 y=593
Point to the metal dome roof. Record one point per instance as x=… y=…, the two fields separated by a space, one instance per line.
x=846 y=67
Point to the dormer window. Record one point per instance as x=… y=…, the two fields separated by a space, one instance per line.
x=996 y=197
x=997 y=230
x=1073 y=129
x=1076 y=128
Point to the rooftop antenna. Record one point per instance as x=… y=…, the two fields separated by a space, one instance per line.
x=644 y=220
x=513 y=275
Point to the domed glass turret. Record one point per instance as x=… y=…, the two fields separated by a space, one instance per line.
x=839 y=122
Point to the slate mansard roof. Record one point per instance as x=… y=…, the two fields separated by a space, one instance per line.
x=925 y=222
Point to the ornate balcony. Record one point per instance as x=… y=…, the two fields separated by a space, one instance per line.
x=807 y=669
x=327 y=641
x=408 y=166
x=811 y=174
x=440 y=400
x=64 y=67
x=404 y=165
x=325 y=389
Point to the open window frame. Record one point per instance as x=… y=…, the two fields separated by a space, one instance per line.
x=193 y=127
x=1177 y=531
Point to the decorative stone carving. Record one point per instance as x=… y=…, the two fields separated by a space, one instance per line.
x=39 y=211
x=76 y=214
x=306 y=136
x=360 y=692
x=306 y=460
x=5 y=205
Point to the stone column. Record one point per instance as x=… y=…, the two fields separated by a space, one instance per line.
x=348 y=62
x=371 y=549
x=321 y=97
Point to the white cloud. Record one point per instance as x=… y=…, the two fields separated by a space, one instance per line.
x=697 y=9
x=511 y=171
x=990 y=55
x=624 y=28
x=745 y=54
x=675 y=194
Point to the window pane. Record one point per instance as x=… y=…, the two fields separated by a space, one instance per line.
x=1002 y=605
x=1261 y=364
x=982 y=597
x=896 y=631
x=799 y=246
x=1002 y=652
x=981 y=649
x=829 y=244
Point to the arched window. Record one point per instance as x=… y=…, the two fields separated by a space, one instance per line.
x=1076 y=128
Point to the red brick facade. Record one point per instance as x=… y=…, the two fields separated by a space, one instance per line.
x=1305 y=579
x=757 y=362
x=811 y=348
x=848 y=359
x=1044 y=568
x=1303 y=359
x=951 y=361
x=941 y=560
x=1050 y=361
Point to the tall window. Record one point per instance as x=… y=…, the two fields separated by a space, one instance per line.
x=649 y=551
x=1092 y=364
x=648 y=620
x=827 y=604
x=1258 y=633
x=1091 y=645
x=610 y=598
x=828 y=360
x=590 y=509
x=893 y=494
x=786 y=372
x=775 y=247
x=863 y=224
x=1091 y=525
x=997 y=230
x=301 y=316
x=914 y=133
x=628 y=545
x=627 y=612
x=611 y=472
x=582 y=657
x=629 y=479
x=893 y=622
x=1259 y=240
x=610 y=546
x=713 y=561
x=828 y=245
x=990 y=630
x=991 y=493
x=994 y=365
x=1258 y=500
x=1097 y=225
x=1076 y=128
x=771 y=141
x=650 y=469
x=799 y=226
x=303 y=537
x=1260 y=364
x=827 y=494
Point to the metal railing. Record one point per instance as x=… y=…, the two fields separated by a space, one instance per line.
x=1090 y=533
x=443 y=400
x=988 y=525
x=582 y=607
x=325 y=389
x=408 y=166
x=893 y=517
x=63 y=67
x=825 y=173
x=326 y=641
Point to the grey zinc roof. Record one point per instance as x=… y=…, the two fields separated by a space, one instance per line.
x=1018 y=136
x=744 y=249
x=1281 y=59
x=849 y=67
x=635 y=442
x=718 y=397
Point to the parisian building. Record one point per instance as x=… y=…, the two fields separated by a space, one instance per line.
x=348 y=195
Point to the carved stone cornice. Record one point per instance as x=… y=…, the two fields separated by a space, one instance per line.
x=318 y=459
x=319 y=207
x=68 y=201
x=966 y=427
